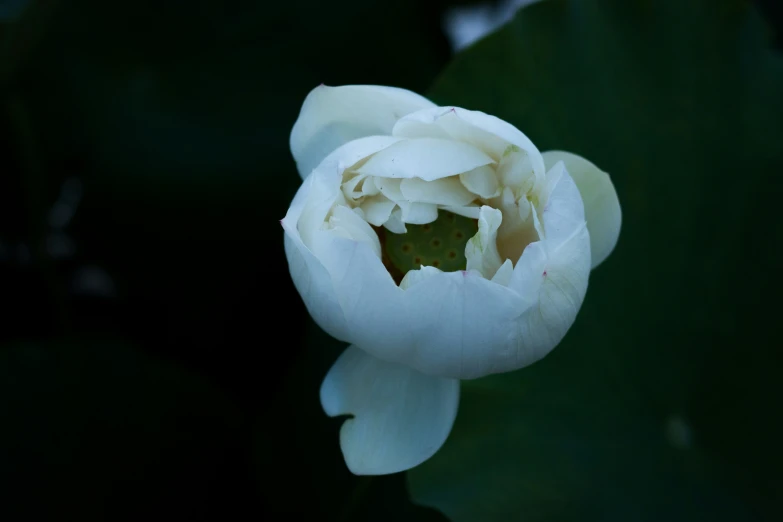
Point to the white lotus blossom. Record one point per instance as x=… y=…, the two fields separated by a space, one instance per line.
x=442 y=245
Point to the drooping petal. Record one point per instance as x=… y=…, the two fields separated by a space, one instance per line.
x=333 y=116
x=400 y=417
x=490 y=134
x=425 y=158
x=602 y=207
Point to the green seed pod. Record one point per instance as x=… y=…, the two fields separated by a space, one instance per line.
x=440 y=244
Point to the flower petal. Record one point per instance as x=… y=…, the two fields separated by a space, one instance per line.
x=445 y=191
x=468 y=211
x=377 y=209
x=333 y=116
x=490 y=134
x=602 y=207
x=418 y=213
x=481 y=181
x=560 y=205
x=557 y=280
x=425 y=158
x=310 y=277
x=395 y=224
x=481 y=251
x=400 y=417
x=349 y=224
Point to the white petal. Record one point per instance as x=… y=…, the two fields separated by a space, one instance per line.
x=558 y=281
x=369 y=188
x=310 y=277
x=390 y=188
x=460 y=325
x=481 y=181
x=314 y=284
x=351 y=188
x=418 y=213
x=326 y=179
x=355 y=227
x=377 y=209
x=395 y=224
x=416 y=276
x=425 y=158
x=400 y=416
x=353 y=152
x=504 y=273
x=468 y=211
x=490 y=134
x=481 y=250
x=515 y=232
x=333 y=116
x=561 y=208
x=516 y=171
x=602 y=207
x=445 y=191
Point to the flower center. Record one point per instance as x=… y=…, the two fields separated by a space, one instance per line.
x=440 y=244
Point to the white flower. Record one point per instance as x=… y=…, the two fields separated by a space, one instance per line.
x=442 y=245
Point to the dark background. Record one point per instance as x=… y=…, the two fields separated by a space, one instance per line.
x=153 y=358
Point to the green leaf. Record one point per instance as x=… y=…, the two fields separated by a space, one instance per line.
x=658 y=404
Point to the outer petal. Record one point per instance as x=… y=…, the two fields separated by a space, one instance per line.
x=310 y=277
x=602 y=207
x=554 y=271
x=488 y=133
x=333 y=116
x=400 y=416
x=557 y=280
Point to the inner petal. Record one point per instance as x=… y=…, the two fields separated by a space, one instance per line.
x=446 y=191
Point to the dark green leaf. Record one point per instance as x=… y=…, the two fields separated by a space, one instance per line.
x=661 y=403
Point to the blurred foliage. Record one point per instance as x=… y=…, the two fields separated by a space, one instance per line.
x=87 y=425
x=661 y=402
x=145 y=168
